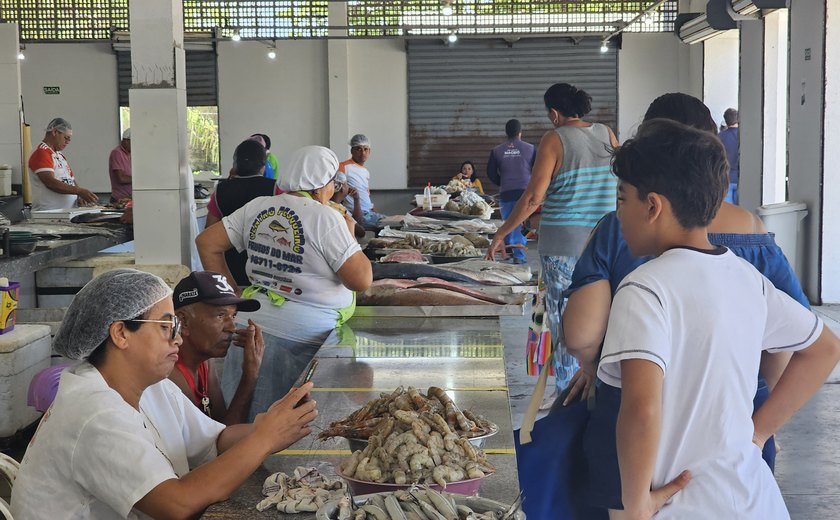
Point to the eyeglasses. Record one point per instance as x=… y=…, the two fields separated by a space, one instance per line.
x=173 y=322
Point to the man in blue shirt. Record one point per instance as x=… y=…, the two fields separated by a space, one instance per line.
x=731 y=142
x=509 y=166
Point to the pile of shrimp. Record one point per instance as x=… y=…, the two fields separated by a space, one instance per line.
x=420 y=447
x=415 y=504
x=307 y=491
x=378 y=417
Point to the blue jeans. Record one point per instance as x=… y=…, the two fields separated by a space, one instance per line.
x=557 y=276
x=732 y=194
x=515 y=237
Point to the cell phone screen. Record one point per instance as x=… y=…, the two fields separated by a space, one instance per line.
x=304 y=378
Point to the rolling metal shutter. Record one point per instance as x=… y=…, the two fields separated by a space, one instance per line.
x=201 y=77
x=460 y=97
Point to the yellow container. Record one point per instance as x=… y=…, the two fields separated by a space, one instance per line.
x=8 y=307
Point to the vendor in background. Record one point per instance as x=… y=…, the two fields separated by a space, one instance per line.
x=119 y=168
x=245 y=183
x=271 y=166
x=121 y=440
x=53 y=183
x=206 y=306
x=303 y=266
x=468 y=176
x=358 y=177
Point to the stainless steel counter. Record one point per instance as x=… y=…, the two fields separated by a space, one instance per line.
x=464 y=356
x=72 y=241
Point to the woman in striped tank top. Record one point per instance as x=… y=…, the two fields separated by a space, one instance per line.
x=572 y=181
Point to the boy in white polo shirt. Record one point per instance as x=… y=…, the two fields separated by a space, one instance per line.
x=685 y=335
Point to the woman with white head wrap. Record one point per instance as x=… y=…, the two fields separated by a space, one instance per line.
x=303 y=265
x=122 y=441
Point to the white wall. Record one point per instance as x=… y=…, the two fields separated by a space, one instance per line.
x=285 y=98
x=288 y=99
x=720 y=73
x=379 y=108
x=650 y=65
x=10 y=137
x=87 y=76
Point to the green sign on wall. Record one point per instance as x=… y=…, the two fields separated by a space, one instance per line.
x=52 y=91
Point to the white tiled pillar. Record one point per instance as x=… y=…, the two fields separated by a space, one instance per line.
x=830 y=261
x=339 y=81
x=10 y=100
x=161 y=174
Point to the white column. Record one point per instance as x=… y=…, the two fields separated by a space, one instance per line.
x=830 y=262
x=775 y=106
x=162 y=177
x=751 y=113
x=806 y=110
x=10 y=100
x=338 y=63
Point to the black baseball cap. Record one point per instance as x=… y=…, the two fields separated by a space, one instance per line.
x=210 y=288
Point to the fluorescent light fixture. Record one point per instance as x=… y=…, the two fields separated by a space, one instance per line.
x=447 y=10
x=648 y=19
x=236 y=37
x=452 y=38
x=21 y=56
x=272 y=54
x=604 y=47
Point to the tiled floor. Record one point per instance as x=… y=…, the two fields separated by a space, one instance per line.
x=808 y=466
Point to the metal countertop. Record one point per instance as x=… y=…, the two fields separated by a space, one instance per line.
x=372 y=355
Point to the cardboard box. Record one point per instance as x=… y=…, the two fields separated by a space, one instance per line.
x=8 y=307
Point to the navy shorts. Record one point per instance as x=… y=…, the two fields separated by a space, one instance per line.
x=599 y=445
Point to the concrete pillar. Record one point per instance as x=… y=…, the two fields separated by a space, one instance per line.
x=163 y=198
x=775 y=106
x=751 y=113
x=10 y=100
x=806 y=149
x=338 y=63
x=831 y=159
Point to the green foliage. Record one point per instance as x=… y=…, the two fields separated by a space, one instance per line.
x=203 y=128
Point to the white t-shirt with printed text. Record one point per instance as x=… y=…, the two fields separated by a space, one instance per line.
x=704 y=319
x=295 y=246
x=95 y=456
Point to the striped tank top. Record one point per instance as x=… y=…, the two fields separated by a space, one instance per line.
x=582 y=191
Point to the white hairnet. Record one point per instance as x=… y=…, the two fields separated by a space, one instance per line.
x=121 y=294
x=60 y=124
x=359 y=140
x=309 y=168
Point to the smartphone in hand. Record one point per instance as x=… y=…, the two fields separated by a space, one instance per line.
x=304 y=378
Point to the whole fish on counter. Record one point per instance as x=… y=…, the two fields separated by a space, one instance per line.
x=425 y=291
x=474 y=270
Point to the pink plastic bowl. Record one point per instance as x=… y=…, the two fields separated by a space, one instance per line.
x=361 y=487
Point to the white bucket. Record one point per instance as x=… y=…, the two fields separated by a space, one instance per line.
x=5 y=180
x=784 y=219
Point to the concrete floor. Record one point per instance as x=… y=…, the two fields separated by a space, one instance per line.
x=808 y=465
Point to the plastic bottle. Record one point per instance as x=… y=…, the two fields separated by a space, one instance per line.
x=427 y=197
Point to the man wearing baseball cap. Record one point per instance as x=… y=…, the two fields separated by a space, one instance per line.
x=119 y=168
x=206 y=305
x=358 y=178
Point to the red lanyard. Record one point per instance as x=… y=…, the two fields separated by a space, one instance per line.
x=200 y=391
